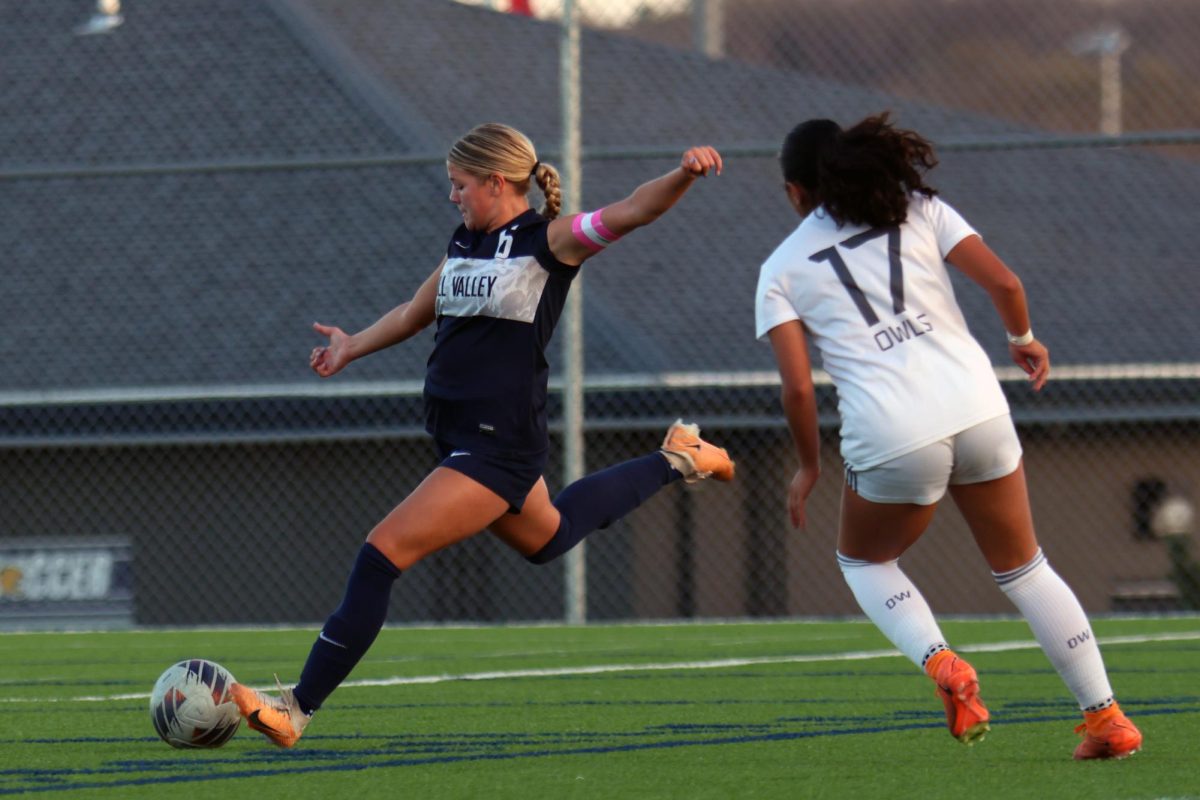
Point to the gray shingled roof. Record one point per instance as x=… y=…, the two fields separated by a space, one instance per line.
x=201 y=278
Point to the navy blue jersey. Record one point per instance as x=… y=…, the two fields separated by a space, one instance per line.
x=499 y=298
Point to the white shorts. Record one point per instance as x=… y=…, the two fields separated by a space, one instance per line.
x=984 y=452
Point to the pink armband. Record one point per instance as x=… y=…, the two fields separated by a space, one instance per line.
x=590 y=231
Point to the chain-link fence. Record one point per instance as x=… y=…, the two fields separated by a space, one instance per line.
x=166 y=457
x=1071 y=65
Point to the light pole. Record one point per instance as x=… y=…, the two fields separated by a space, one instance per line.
x=1109 y=43
x=571 y=172
x=708 y=27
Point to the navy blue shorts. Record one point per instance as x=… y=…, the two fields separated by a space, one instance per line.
x=511 y=478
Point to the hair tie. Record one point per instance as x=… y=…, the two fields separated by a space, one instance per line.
x=533 y=172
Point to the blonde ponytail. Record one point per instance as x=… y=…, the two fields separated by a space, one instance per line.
x=548 y=181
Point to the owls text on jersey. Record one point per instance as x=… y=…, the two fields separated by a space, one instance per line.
x=879 y=305
x=498 y=300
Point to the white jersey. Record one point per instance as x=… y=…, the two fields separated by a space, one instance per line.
x=878 y=304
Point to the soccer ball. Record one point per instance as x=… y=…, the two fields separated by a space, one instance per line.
x=191 y=706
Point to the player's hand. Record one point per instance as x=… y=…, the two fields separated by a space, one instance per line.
x=330 y=359
x=801 y=487
x=699 y=161
x=1034 y=358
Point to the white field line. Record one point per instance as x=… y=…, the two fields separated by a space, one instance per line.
x=600 y=669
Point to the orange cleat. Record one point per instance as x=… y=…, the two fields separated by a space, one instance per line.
x=958 y=686
x=278 y=718
x=695 y=458
x=1107 y=734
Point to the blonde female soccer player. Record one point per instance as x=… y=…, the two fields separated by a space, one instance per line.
x=864 y=279
x=495 y=298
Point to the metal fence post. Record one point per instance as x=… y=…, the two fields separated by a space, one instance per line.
x=574 y=563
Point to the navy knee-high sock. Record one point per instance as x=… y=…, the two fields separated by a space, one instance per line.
x=600 y=499
x=349 y=632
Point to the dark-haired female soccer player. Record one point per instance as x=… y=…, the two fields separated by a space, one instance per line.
x=864 y=278
x=496 y=297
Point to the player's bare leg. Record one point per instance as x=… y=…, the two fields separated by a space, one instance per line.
x=529 y=531
x=871 y=538
x=998 y=514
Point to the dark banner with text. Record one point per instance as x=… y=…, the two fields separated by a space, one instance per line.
x=66 y=583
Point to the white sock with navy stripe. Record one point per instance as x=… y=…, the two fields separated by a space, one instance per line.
x=895 y=605
x=1061 y=627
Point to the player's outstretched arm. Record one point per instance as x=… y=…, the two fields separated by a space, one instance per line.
x=977 y=261
x=399 y=324
x=576 y=237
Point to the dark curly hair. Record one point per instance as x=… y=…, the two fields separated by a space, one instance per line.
x=862 y=175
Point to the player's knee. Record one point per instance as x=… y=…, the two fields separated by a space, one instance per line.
x=550 y=552
x=401 y=554
x=541 y=558
x=559 y=543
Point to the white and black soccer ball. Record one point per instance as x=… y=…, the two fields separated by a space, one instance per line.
x=191 y=705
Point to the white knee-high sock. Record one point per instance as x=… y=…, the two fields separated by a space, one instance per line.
x=1061 y=627
x=896 y=607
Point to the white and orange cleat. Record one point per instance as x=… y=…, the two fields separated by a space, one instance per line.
x=278 y=718
x=1107 y=733
x=693 y=457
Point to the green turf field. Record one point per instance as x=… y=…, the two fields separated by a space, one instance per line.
x=722 y=711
